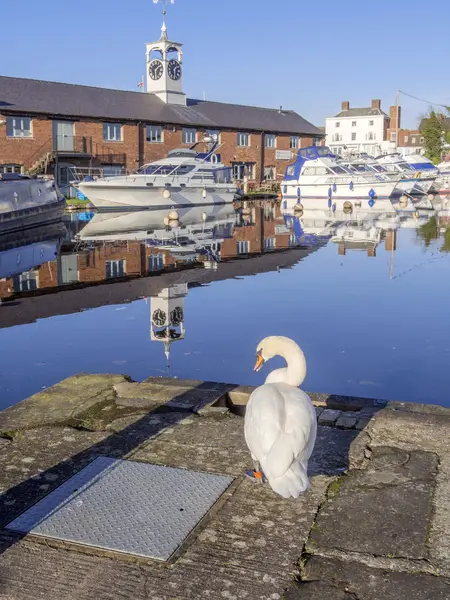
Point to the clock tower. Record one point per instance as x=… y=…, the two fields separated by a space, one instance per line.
x=165 y=69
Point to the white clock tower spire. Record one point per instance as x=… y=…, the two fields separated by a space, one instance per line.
x=164 y=66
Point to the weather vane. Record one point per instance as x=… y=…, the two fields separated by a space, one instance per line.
x=164 y=2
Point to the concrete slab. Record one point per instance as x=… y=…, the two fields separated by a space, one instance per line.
x=60 y=402
x=359 y=582
x=384 y=510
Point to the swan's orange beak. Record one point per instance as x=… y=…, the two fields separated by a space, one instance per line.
x=259 y=361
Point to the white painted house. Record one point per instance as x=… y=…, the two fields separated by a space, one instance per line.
x=357 y=129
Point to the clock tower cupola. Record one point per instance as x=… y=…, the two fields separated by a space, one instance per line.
x=165 y=67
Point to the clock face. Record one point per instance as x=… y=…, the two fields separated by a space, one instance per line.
x=174 y=69
x=159 y=317
x=155 y=69
x=176 y=316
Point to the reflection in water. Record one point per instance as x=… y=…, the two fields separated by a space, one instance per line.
x=340 y=282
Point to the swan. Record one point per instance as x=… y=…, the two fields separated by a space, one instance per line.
x=280 y=424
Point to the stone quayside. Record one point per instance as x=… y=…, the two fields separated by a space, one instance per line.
x=374 y=524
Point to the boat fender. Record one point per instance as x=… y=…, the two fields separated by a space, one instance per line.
x=348 y=207
x=298 y=209
x=204 y=194
x=167 y=194
x=403 y=200
x=330 y=192
x=371 y=202
x=285 y=189
x=350 y=185
x=166 y=221
x=372 y=193
x=333 y=208
x=285 y=204
x=334 y=187
x=298 y=192
x=329 y=202
x=430 y=196
x=173 y=215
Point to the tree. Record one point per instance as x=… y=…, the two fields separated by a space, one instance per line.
x=432 y=128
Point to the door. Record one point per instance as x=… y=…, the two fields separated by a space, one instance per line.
x=63 y=136
x=69 y=268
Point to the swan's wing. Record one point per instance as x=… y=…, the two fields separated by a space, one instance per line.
x=280 y=427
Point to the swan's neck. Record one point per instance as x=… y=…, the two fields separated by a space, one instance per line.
x=295 y=372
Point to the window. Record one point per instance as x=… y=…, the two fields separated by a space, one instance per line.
x=393 y=136
x=156 y=262
x=25 y=282
x=112 y=132
x=370 y=136
x=353 y=123
x=270 y=173
x=294 y=142
x=214 y=133
x=337 y=124
x=241 y=170
x=371 y=123
x=270 y=140
x=413 y=140
x=406 y=139
x=189 y=135
x=243 y=139
x=112 y=170
x=18 y=127
x=269 y=243
x=242 y=247
x=10 y=168
x=353 y=137
x=115 y=268
x=421 y=140
x=154 y=134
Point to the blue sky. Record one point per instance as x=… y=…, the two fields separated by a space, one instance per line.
x=307 y=56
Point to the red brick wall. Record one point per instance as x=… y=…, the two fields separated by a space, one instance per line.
x=26 y=151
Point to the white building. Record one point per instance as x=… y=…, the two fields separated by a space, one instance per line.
x=356 y=130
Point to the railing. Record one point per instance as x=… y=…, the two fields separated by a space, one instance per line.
x=76 y=144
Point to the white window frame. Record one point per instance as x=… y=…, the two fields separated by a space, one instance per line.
x=188 y=135
x=393 y=136
x=243 y=247
x=243 y=139
x=110 y=132
x=156 y=262
x=114 y=266
x=354 y=136
x=154 y=134
x=294 y=142
x=270 y=140
x=17 y=126
x=353 y=123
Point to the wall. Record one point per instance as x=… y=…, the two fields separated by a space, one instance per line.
x=26 y=151
x=362 y=129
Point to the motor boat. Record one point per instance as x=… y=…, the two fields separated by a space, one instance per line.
x=318 y=174
x=184 y=178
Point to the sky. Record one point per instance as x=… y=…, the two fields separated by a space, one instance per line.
x=304 y=56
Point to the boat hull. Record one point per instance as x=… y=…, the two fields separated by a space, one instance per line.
x=106 y=195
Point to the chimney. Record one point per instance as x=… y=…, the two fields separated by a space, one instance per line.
x=376 y=104
x=393 y=116
x=345 y=105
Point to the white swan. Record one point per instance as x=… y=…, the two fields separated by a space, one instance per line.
x=280 y=420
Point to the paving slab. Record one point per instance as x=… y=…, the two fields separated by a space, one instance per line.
x=383 y=510
x=60 y=402
x=350 y=581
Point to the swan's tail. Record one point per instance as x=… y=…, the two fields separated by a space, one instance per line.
x=294 y=482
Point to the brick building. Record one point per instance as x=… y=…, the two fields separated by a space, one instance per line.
x=46 y=123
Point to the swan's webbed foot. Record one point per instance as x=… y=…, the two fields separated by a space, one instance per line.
x=256 y=474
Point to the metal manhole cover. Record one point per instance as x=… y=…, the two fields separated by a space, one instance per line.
x=125 y=506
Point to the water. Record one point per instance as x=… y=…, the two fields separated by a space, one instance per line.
x=363 y=294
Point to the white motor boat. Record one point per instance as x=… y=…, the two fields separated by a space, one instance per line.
x=365 y=163
x=185 y=178
x=317 y=174
x=423 y=180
